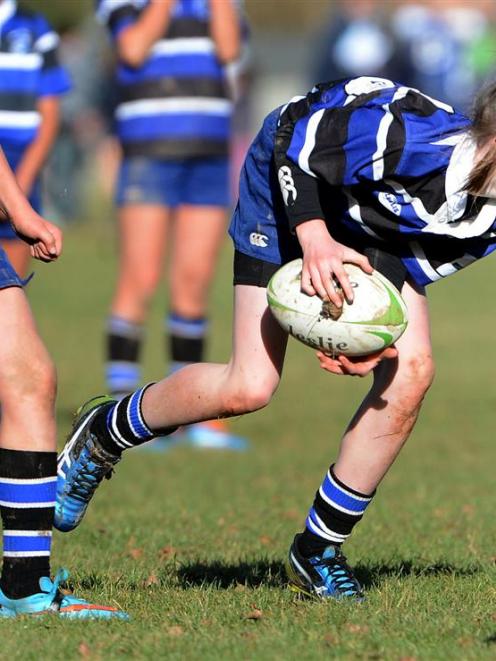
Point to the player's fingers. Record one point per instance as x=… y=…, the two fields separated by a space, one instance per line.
x=354 y=257
x=344 y=281
x=58 y=236
x=330 y=364
x=360 y=368
x=49 y=243
x=323 y=282
x=306 y=282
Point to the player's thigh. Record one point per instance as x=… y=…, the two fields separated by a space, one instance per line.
x=18 y=253
x=25 y=365
x=199 y=232
x=414 y=365
x=142 y=237
x=259 y=343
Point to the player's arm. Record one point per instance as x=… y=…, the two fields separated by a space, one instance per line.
x=323 y=257
x=225 y=30
x=44 y=238
x=36 y=154
x=141 y=30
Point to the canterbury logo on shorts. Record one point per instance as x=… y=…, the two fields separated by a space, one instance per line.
x=286 y=183
x=260 y=240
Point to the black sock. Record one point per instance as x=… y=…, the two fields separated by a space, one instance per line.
x=336 y=510
x=185 y=340
x=27 y=501
x=120 y=426
x=124 y=340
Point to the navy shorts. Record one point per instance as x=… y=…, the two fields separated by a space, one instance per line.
x=13 y=157
x=259 y=226
x=171 y=183
x=8 y=276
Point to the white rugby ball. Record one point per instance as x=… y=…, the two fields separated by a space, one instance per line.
x=375 y=320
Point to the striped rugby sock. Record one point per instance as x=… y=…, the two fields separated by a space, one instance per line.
x=121 y=426
x=122 y=370
x=336 y=510
x=27 y=500
x=186 y=340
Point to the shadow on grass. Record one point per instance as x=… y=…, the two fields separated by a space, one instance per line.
x=272 y=573
x=371 y=576
x=269 y=573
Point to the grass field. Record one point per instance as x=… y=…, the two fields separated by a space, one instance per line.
x=192 y=543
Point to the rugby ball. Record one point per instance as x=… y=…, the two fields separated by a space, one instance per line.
x=375 y=320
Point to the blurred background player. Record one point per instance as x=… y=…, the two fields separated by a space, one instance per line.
x=31 y=82
x=173 y=122
x=357 y=39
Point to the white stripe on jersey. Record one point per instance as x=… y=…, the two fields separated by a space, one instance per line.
x=24 y=61
x=306 y=150
x=382 y=134
x=28 y=482
x=423 y=263
x=354 y=211
x=450 y=268
x=181 y=105
x=107 y=7
x=184 y=46
x=47 y=42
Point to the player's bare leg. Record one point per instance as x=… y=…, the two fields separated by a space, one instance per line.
x=371 y=443
x=198 y=234
x=388 y=413
x=198 y=392
x=142 y=239
x=27 y=379
x=18 y=254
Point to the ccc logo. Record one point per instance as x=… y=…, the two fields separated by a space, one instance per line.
x=286 y=183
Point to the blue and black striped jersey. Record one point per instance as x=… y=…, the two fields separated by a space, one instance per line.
x=29 y=70
x=390 y=163
x=176 y=104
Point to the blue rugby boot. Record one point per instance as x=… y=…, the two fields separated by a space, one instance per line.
x=326 y=576
x=81 y=466
x=51 y=600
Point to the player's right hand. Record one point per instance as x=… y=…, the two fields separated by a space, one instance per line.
x=43 y=237
x=323 y=260
x=355 y=366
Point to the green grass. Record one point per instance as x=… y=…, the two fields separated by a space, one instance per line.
x=192 y=544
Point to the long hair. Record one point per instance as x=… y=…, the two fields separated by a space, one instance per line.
x=483 y=132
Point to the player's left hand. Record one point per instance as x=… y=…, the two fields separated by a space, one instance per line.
x=43 y=237
x=354 y=366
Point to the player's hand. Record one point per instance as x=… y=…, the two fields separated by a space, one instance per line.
x=323 y=260
x=355 y=366
x=43 y=237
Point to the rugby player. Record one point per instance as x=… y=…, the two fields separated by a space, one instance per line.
x=364 y=171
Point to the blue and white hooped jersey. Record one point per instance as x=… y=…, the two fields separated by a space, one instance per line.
x=389 y=163
x=176 y=104
x=29 y=70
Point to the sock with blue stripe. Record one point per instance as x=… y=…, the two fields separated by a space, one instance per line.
x=186 y=340
x=120 y=425
x=336 y=510
x=27 y=500
x=122 y=370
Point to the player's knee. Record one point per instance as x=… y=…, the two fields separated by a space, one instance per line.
x=248 y=398
x=417 y=375
x=32 y=379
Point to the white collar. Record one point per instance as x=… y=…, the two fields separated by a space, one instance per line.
x=7 y=9
x=459 y=168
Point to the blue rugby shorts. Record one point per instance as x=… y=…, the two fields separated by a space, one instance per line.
x=173 y=182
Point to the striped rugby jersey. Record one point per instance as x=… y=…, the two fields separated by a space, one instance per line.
x=389 y=163
x=175 y=105
x=29 y=70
